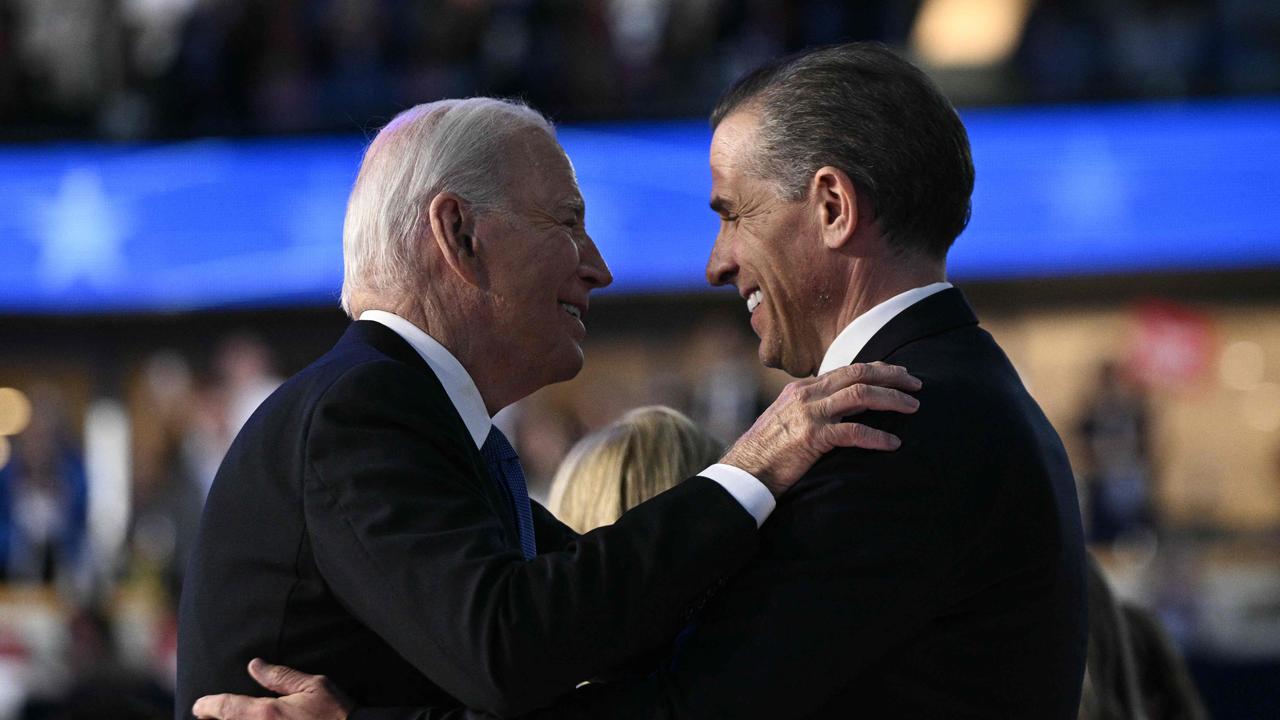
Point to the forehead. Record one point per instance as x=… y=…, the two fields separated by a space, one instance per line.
x=540 y=172
x=731 y=144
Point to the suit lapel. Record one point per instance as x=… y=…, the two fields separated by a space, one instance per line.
x=386 y=341
x=935 y=314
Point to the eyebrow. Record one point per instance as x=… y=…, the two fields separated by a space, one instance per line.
x=574 y=204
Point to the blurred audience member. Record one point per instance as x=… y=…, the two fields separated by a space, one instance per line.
x=182 y=431
x=102 y=686
x=1134 y=671
x=726 y=392
x=1164 y=684
x=648 y=450
x=1115 y=431
x=243 y=377
x=543 y=434
x=207 y=436
x=1110 y=679
x=43 y=497
x=162 y=409
x=167 y=495
x=244 y=366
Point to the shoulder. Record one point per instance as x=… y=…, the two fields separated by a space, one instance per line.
x=354 y=371
x=387 y=379
x=376 y=390
x=356 y=386
x=974 y=416
x=383 y=413
x=971 y=393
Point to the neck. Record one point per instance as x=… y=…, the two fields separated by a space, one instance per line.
x=872 y=280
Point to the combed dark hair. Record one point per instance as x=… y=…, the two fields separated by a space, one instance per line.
x=861 y=108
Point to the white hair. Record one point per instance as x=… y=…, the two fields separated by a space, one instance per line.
x=458 y=146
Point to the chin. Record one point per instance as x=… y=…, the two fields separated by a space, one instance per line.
x=799 y=369
x=769 y=356
x=567 y=365
x=778 y=359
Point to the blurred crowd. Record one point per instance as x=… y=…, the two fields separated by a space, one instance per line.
x=90 y=626
x=130 y=69
x=86 y=609
x=82 y=625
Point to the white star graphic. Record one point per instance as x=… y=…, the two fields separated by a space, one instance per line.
x=81 y=234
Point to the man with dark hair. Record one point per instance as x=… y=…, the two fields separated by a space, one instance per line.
x=945 y=580
x=875 y=116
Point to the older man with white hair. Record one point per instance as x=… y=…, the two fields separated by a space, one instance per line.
x=372 y=525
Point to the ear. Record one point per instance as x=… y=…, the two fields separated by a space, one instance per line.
x=836 y=203
x=453 y=228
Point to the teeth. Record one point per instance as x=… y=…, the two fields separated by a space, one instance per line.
x=572 y=310
x=753 y=301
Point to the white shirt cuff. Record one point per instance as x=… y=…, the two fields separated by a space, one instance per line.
x=754 y=497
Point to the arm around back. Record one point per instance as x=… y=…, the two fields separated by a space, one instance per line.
x=847 y=569
x=405 y=532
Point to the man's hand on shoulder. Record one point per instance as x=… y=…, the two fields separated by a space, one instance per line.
x=803 y=424
x=303 y=697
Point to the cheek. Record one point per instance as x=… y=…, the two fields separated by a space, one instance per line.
x=554 y=263
x=793 y=296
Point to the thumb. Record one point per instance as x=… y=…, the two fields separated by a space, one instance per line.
x=278 y=678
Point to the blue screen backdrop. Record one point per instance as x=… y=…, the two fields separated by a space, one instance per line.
x=1060 y=191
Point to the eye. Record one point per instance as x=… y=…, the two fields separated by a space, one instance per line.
x=728 y=218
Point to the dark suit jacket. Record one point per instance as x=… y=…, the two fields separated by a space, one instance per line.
x=943 y=580
x=353 y=531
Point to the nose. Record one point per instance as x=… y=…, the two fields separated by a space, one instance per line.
x=591 y=266
x=722 y=269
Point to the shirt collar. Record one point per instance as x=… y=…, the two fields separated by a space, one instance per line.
x=459 y=386
x=856 y=334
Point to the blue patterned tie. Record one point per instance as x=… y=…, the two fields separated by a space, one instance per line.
x=504 y=467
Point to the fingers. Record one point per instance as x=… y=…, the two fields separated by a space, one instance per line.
x=895 y=376
x=855 y=399
x=226 y=707
x=861 y=436
x=876 y=373
x=278 y=679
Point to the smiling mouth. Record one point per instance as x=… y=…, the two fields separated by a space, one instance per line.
x=753 y=300
x=572 y=310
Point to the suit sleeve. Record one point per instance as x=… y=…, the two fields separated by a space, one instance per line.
x=841 y=579
x=405 y=536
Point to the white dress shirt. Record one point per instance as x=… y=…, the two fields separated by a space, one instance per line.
x=856 y=334
x=754 y=497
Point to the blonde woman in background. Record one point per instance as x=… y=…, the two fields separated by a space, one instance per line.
x=646 y=451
